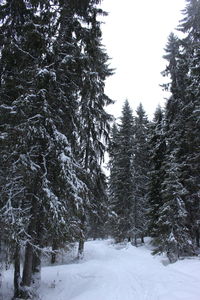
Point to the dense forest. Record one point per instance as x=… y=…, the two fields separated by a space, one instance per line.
x=55 y=131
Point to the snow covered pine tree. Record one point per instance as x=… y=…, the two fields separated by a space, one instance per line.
x=47 y=56
x=121 y=180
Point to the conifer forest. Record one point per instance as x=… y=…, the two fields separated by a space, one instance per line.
x=55 y=131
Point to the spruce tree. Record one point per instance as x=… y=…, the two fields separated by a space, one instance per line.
x=174 y=238
x=94 y=120
x=44 y=62
x=180 y=187
x=40 y=153
x=121 y=181
x=113 y=182
x=171 y=232
x=156 y=174
x=191 y=113
x=98 y=209
x=140 y=172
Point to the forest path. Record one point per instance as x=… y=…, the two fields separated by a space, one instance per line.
x=110 y=272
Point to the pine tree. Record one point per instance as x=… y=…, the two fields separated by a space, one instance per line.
x=40 y=153
x=170 y=192
x=140 y=172
x=171 y=232
x=44 y=62
x=98 y=210
x=191 y=113
x=174 y=238
x=94 y=120
x=113 y=181
x=121 y=181
x=157 y=172
x=180 y=183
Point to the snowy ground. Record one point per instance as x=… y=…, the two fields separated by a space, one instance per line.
x=118 y=273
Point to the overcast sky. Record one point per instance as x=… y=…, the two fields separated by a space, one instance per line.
x=135 y=34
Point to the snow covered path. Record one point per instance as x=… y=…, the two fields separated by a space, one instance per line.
x=130 y=273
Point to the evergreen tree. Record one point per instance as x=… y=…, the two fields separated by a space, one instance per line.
x=40 y=153
x=180 y=184
x=121 y=181
x=48 y=61
x=98 y=210
x=113 y=182
x=190 y=25
x=157 y=172
x=140 y=172
x=174 y=238
x=171 y=232
x=94 y=120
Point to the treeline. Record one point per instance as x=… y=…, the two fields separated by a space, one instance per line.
x=53 y=131
x=154 y=184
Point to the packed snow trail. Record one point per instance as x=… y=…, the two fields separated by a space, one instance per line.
x=129 y=273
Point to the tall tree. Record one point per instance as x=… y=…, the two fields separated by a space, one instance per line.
x=156 y=172
x=113 y=182
x=121 y=183
x=140 y=172
x=40 y=153
x=190 y=25
x=48 y=61
x=94 y=120
x=180 y=185
x=171 y=232
x=173 y=235
x=98 y=210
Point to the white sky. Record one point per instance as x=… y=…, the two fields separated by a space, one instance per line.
x=135 y=34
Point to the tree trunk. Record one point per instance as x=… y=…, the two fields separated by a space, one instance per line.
x=82 y=237
x=135 y=241
x=26 y=291
x=1 y=270
x=197 y=238
x=142 y=239
x=1 y=265
x=172 y=256
x=36 y=272
x=17 y=277
x=27 y=272
x=53 y=255
x=80 y=248
x=36 y=262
